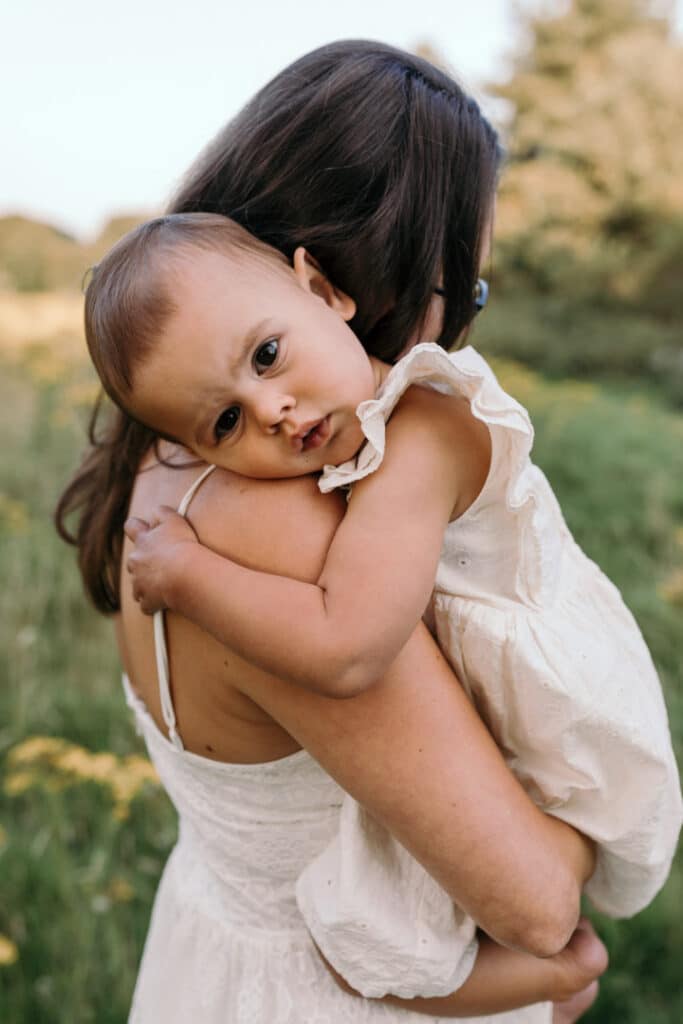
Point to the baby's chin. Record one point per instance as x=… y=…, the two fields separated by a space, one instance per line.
x=291 y=472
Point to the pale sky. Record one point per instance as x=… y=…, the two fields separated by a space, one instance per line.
x=104 y=105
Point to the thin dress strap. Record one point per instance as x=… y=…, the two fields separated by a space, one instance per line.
x=160 y=648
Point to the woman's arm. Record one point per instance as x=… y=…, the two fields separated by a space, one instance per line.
x=338 y=635
x=413 y=751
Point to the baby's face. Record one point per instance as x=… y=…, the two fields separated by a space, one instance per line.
x=257 y=371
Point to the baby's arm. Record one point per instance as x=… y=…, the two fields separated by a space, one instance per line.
x=339 y=636
x=505 y=979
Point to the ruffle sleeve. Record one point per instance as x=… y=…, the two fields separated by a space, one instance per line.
x=464 y=373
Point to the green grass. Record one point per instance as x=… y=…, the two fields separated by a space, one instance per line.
x=78 y=871
x=76 y=880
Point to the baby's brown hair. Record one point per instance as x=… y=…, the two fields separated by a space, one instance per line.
x=129 y=297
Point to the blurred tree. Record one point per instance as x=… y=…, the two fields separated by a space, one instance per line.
x=592 y=199
x=36 y=256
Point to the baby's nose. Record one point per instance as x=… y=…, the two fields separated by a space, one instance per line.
x=271 y=409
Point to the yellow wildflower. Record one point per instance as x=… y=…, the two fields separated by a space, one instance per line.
x=56 y=763
x=80 y=762
x=671 y=589
x=13 y=515
x=121 y=811
x=35 y=748
x=103 y=766
x=141 y=769
x=75 y=761
x=131 y=776
x=9 y=953
x=120 y=890
x=19 y=782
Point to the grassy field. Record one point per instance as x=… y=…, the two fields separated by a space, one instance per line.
x=84 y=828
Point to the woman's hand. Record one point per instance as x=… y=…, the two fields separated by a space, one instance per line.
x=156 y=561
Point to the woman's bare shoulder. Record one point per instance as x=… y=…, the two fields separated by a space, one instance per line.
x=279 y=526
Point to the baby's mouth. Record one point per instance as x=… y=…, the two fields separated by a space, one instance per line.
x=316 y=435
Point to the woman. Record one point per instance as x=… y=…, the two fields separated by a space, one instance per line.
x=362 y=154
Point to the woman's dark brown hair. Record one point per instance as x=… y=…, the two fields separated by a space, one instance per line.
x=384 y=169
x=377 y=163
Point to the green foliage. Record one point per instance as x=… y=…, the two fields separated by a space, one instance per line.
x=77 y=887
x=551 y=331
x=76 y=881
x=615 y=459
x=591 y=204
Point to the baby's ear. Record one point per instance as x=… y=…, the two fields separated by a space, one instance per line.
x=312 y=279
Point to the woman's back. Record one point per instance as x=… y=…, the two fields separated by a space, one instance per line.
x=215 y=716
x=242 y=811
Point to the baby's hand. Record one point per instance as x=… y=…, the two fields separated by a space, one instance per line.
x=154 y=562
x=581 y=963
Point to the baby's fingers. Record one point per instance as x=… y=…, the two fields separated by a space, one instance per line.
x=162 y=514
x=132 y=563
x=134 y=526
x=148 y=604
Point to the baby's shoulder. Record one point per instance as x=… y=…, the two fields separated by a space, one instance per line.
x=448 y=423
x=427 y=408
x=436 y=393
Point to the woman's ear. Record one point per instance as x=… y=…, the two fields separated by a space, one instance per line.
x=312 y=279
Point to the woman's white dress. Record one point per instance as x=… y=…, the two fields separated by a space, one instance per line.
x=227 y=943
x=559 y=672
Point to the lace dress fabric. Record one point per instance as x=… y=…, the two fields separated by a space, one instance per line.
x=558 y=670
x=227 y=943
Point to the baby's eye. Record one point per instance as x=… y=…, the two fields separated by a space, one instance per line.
x=226 y=422
x=266 y=354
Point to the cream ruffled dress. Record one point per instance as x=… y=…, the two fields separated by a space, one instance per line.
x=557 y=668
